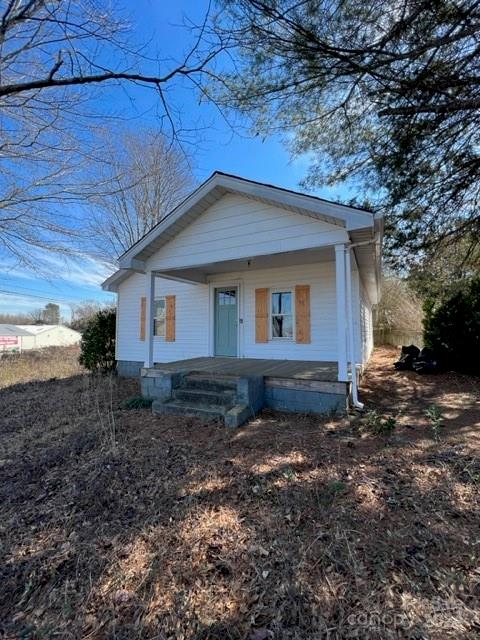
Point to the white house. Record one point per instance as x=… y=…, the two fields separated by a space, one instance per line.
x=27 y=337
x=256 y=274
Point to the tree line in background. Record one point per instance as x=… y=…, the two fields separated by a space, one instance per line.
x=81 y=314
x=49 y=314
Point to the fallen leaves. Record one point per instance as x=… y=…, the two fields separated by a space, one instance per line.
x=284 y=529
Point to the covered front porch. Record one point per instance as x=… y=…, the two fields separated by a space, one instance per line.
x=327 y=313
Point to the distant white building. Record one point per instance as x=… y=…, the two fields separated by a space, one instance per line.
x=26 y=337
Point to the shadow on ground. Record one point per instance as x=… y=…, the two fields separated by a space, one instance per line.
x=116 y=524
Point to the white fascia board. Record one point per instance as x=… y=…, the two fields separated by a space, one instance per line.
x=113 y=281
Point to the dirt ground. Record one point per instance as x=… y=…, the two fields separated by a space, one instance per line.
x=117 y=524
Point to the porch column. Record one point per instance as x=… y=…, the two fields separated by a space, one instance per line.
x=150 y=276
x=341 y=312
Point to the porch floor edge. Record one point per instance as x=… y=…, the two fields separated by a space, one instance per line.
x=301 y=370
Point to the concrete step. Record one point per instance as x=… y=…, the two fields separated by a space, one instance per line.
x=200 y=396
x=205 y=412
x=206 y=382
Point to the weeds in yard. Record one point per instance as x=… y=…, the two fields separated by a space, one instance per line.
x=289 y=474
x=377 y=425
x=332 y=489
x=137 y=402
x=332 y=412
x=336 y=486
x=285 y=529
x=35 y=366
x=103 y=388
x=435 y=416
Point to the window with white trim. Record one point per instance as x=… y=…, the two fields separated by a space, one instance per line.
x=159 y=317
x=282 y=314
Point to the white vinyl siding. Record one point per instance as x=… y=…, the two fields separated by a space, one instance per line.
x=191 y=324
x=129 y=346
x=194 y=315
x=367 y=327
x=191 y=321
x=238 y=227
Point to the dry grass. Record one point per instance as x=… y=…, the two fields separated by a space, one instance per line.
x=36 y=366
x=119 y=525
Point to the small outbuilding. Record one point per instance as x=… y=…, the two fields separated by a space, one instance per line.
x=17 y=338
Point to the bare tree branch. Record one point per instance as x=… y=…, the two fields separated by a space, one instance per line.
x=54 y=57
x=144 y=177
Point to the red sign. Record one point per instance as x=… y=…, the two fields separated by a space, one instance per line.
x=8 y=340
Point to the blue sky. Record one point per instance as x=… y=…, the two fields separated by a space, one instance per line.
x=216 y=147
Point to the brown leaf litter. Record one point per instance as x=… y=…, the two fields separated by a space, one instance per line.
x=117 y=524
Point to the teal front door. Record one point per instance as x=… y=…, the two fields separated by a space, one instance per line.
x=226 y=321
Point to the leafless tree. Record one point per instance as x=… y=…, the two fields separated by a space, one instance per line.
x=36 y=316
x=82 y=312
x=400 y=309
x=145 y=176
x=15 y=318
x=55 y=56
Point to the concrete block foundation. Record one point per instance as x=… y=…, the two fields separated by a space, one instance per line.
x=302 y=401
x=233 y=399
x=129 y=368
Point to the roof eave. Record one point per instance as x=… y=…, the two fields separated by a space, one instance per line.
x=112 y=282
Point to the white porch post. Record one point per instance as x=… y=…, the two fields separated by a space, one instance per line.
x=149 y=319
x=341 y=312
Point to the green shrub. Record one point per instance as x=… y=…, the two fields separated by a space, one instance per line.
x=97 y=348
x=452 y=327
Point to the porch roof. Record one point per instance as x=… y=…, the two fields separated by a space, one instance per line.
x=367 y=259
x=201 y=273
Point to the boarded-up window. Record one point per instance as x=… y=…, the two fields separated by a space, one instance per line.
x=261 y=315
x=170 y=319
x=302 y=313
x=143 y=316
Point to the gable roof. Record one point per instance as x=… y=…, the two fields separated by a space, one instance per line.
x=13 y=330
x=218 y=185
x=363 y=226
x=35 y=329
x=25 y=329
